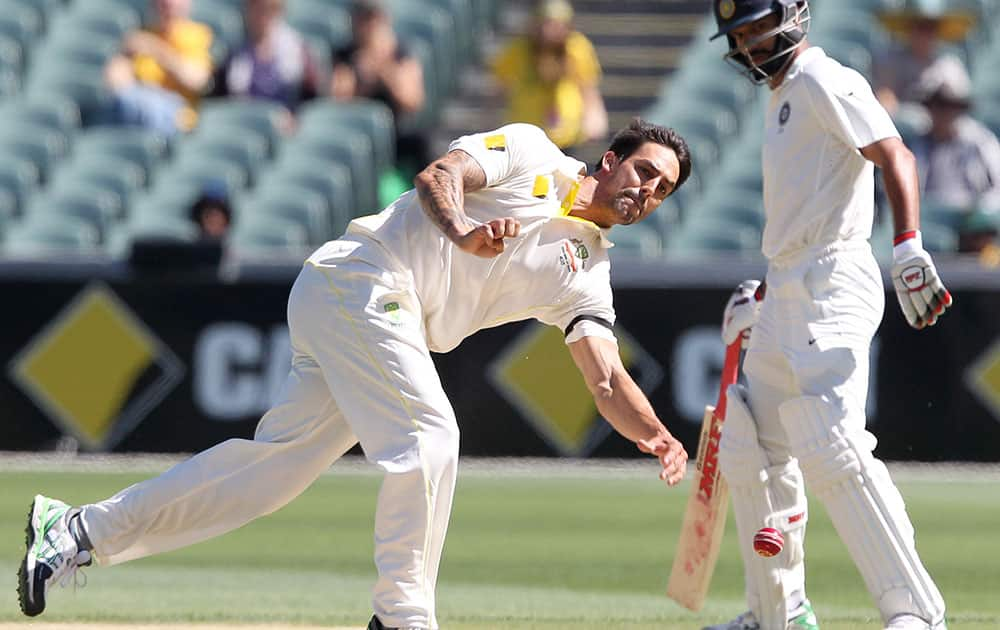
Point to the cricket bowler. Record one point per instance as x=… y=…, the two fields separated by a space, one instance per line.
x=502 y=228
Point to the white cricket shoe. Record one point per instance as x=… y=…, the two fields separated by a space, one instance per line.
x=51 y=553
x=912 y=622
x=803 y=618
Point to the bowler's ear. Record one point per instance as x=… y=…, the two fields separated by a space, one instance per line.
x=609 y=160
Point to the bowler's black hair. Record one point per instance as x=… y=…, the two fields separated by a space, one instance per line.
x=639 y=132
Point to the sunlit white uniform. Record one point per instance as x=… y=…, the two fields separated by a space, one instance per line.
x=807 y=364
x=364 y=315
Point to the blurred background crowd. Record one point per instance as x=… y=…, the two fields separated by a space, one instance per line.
x=261 y=127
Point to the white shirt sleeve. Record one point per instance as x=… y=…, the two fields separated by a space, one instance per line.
x=508 y=151
x=588 y=309
x=848 y=109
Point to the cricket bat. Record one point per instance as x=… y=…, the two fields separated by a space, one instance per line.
x=705 y=515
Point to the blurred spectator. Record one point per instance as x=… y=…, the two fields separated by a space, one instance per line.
x=918 y=30
x=551 y=77
x=274 y=64
x=160 y=72
x=958 y=159
x=376 y=65
x=212 y=214
x=977 y=234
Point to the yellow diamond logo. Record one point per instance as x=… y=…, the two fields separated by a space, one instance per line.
x=537 y=375
x=96 y=370
x=983 y=378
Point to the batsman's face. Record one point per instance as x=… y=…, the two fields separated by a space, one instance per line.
x=758 y=39
x=636 y=185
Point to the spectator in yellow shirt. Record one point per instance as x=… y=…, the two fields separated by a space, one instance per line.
x=161 y=71
x=551 y=76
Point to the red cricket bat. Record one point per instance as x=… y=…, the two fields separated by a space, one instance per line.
x=705 y=514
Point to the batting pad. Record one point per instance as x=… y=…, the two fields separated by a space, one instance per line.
x=764 y=496
x=835 y=452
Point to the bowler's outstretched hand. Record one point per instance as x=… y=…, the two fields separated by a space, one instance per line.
x=671 y=454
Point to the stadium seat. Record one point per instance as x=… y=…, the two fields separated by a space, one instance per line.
x=35 y=143
x=146 y=149
x=263 y=117
x=97 y=207
x=419 y=21
x=300 y=205
x=351 y=148
x=105 y=17
x=115 y=175
x=81 y=83
x=226 y=22
x=372 y=117
x=19 y=178
x=53 y=112
x=43 y=236
x=331 y=180
x=248 y=149
x=711 y=239
x=197 y=171
x=265 y=235
x=321 y=20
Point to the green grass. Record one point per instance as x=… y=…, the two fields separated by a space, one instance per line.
x=522 y=552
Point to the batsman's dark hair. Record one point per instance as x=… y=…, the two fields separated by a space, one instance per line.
x=639 y=132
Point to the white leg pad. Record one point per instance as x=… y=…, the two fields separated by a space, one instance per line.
x=835 y=452
x=763 y=496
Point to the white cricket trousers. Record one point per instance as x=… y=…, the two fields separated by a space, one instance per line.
x=807 y=375
x=361 y=371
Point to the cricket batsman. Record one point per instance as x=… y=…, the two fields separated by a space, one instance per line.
x=801 y=417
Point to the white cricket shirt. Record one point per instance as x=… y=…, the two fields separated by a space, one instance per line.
x=557 y=270
x=818 y=188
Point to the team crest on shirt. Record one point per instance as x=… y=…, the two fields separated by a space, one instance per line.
x=574 y=254
x=786 y=111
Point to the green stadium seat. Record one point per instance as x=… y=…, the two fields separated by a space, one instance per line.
x=19 y=178
x=266 y=235
x=293 y=203
x=417 y=21
x=46 y=9
x=172 y=200
x=373 y=117
x=200 y=170
x=99 y=208
x=66 y=41
x=226 y=22
x=431 y=111
x=248 y=149
x=324 y=21
x=146 y=149
x=35 y=143
x=81 y=83
x=103 y=17
x=53 y=112
x=115 y=175
x=331 y=180
x=263 y=117
x=351 y=148
x=43 y=236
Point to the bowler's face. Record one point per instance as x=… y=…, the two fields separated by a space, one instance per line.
x=637 y=185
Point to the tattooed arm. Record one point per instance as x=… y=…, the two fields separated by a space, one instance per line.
x=441 y=188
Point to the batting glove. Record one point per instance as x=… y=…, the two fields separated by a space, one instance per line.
x=921 y=295
x=742 y=312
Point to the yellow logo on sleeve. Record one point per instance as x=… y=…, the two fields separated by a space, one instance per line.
x=496 y=142
x=541 y=187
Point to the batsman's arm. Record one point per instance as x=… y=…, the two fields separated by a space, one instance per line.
x=623 y=404
x=899 y=171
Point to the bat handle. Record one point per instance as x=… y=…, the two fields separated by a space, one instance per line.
x=730 y=373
